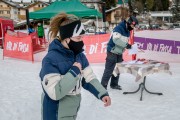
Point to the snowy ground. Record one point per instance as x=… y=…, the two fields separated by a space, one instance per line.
x=20 y=93
x=21 y=90
x=159 y=34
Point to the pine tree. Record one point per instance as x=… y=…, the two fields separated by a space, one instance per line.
x=157 y=5
x=165 y=4
x=131 y=5
x=150 y=4
x=109 y=3
x=176 y=11
x=135 y=4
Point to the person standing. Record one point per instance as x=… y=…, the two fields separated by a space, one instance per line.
x=40 y=31
x=115 y=48
x=31 y=28
x=65 y=70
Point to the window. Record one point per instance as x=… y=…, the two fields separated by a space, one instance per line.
x=92 y=6
x=1 y=12
x=8 y=12
x=19 y=11
x=39 y=5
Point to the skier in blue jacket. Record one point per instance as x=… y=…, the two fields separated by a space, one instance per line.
x=65 y=69
x=118 y=42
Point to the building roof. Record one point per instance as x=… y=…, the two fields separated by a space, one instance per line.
x=30 y=4
x=35 y=3
x=70 y=7
x=161 y=14
x=114 y=8
x=11 y=3
x=25 y=4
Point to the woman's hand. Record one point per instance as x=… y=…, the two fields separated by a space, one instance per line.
x=106 y=100
x=77 y=64
x=81 y=58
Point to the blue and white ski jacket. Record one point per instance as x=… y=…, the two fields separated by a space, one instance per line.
x=62 y=82
x=119 y=39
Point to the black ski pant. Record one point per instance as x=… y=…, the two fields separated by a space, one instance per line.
x=110 y=64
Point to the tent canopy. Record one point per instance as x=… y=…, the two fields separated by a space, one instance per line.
x=122 y=1
x=70 y=7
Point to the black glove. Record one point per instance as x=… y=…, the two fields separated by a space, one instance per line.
x=81 y=58
x=128 y=46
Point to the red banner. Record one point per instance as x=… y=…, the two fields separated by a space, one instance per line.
x=4 y=26
x=34 y=38
x=18 y=47
x=96 y=48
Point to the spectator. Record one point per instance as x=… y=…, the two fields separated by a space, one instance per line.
x=40 y=31
x=31 y=28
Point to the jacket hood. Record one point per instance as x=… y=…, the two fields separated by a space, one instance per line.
x=122 y=28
